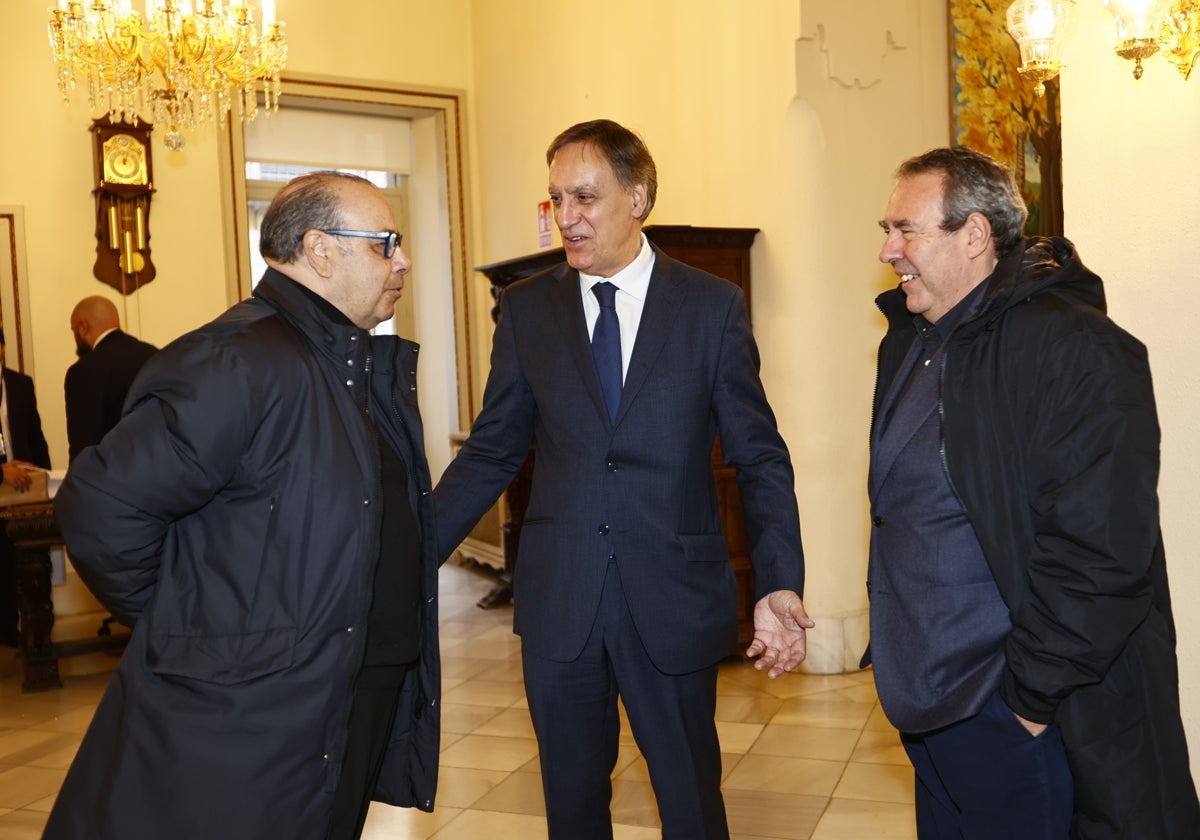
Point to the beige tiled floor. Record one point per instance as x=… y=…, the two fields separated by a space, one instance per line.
x=806 y=757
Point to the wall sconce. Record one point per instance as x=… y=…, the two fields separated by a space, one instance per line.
x=1138 y=24
x=1041 y=28
x=1144 y=27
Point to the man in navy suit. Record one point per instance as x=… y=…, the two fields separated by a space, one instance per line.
x=623 y=584
x=96 y=385
x=23 y=451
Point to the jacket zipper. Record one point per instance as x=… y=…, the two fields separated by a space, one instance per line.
x=941 y=406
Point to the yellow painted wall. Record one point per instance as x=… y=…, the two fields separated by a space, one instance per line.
x=785 y=115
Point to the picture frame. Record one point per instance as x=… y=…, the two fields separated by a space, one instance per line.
x=996 y=111
x=14 y=291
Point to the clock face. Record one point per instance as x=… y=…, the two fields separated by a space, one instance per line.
x=124 y=160
x=124 y=164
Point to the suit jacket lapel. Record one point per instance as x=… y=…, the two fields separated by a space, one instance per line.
x=568 y=310
x=663 y=298
x=903 y=417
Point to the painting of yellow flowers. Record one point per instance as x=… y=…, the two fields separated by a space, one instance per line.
x=994 y=110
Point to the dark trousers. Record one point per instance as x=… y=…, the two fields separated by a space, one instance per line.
x=987 y=778
x=371 y=718
x=573 y=706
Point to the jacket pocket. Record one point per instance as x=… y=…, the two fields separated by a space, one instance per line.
x=224 y=660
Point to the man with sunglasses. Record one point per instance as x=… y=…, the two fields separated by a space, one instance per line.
x=261 y=517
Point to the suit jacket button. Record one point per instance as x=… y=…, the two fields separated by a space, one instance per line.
x=611 y=466
x=603 y=529
x=877 y=521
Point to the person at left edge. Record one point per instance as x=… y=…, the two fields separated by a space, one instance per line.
x=24 y=449
x=261 y=516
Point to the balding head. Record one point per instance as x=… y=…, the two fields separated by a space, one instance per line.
x=91 y=318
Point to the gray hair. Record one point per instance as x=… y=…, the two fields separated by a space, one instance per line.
x=625 y=152
x=973 y=182
x=306 y=202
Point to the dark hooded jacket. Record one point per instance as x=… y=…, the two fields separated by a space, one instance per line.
x=232 y=518
x=1051 y=442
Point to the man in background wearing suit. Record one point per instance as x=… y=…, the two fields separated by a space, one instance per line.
x=624 y=364
x=96 y=385
x=23 y=451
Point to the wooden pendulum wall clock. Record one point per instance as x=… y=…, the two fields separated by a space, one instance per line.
x=124 y=183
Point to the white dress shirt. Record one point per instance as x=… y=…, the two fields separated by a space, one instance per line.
x=632 y=282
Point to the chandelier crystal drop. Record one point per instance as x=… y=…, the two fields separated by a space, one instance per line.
x=178 y=64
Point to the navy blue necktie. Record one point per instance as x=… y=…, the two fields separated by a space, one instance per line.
x=606 y=347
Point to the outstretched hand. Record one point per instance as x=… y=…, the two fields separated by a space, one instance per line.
x=779 y=625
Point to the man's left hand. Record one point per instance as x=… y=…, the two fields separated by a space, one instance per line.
x=779 y=625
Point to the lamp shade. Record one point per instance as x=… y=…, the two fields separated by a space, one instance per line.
x=1041 y=28
x=1138 y=25
x=1137 y=19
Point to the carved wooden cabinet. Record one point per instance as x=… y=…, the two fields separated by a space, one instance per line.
x=724 y=252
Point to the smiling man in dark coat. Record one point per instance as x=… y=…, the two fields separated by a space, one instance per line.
x=261 y=517
x=1021 y=627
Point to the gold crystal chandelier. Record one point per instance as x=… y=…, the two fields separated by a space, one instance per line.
x=177 y=64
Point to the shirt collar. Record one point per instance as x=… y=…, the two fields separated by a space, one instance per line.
x=945 y=325
x=633 y=279
x=103 y=336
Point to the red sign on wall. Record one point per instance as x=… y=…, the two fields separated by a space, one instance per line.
x=545 y=233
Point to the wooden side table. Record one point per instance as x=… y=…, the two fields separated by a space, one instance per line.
x=33 y=532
